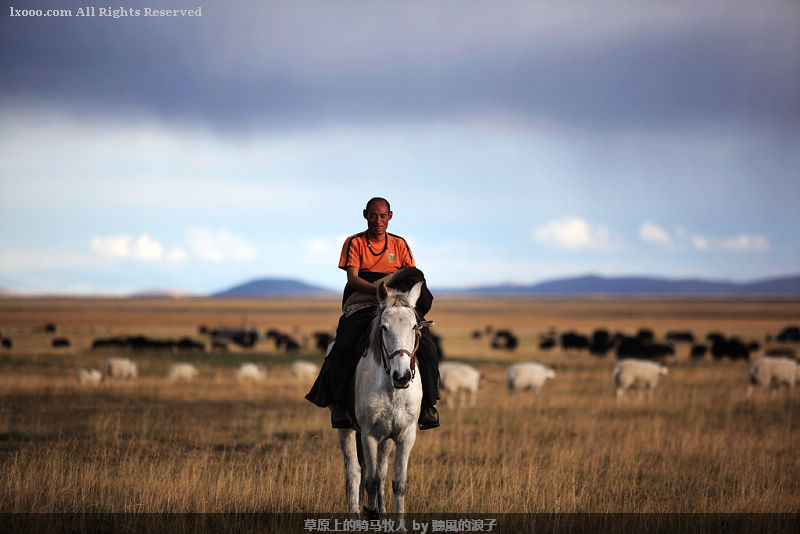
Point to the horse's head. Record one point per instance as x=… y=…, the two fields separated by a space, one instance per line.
x=396 y=333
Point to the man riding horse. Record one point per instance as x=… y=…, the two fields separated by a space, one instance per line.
x=368 y=257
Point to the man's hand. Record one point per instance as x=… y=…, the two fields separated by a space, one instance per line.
x=359 y=284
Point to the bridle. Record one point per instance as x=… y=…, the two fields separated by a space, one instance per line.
x=386 y=357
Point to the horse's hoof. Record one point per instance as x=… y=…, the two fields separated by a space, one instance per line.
x=371 y=514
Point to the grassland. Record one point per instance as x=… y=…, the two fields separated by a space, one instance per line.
x=217 y=446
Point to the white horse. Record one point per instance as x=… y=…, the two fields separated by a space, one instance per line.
x=388 y=393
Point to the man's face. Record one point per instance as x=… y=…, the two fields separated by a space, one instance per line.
x=378 y=216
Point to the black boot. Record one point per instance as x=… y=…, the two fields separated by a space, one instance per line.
x=339 y=418
x=428 y=418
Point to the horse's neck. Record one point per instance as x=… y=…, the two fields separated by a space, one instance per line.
x=372 y=367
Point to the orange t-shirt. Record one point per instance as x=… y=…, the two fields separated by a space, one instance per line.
x=392 y=256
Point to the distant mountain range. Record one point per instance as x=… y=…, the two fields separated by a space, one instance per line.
x=273 y=287
x=584 y=285
x=599 y=285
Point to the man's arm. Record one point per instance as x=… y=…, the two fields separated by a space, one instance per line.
x=359 y=284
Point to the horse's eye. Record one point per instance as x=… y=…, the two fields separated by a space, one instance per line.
x=383 y=326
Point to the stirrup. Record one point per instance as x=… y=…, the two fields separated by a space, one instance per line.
x=429 y=418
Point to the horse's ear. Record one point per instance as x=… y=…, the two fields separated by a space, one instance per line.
x=383 y=294
x=413 y=295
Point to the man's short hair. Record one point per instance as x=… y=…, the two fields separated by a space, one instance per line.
x=378 y=199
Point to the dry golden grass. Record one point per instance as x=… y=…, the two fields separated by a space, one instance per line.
x=217 y=446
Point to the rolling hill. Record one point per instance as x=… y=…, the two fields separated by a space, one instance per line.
x=598 y=285
x=273 y=287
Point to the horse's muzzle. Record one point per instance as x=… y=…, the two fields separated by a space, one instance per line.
x=401 y=381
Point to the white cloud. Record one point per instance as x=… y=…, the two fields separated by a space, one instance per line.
x=123 y=246
x=219 y=245
x=86 y=288
x=745 y=243
x=177 y=254
x=114 y=246
x=655 y=235
x=204 y=244
x=699 y=242
x=146 y=249
x=573 y=233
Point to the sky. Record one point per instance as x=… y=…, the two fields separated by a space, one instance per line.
x=517 y=141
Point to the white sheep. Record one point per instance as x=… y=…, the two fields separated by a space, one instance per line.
x=528 y=376
x=254 y=372
x=459 y=379
x=304 y=371
x=89 y=377
x=773 y=372
x=182 y=371
x=637 y=374
x=120 y=368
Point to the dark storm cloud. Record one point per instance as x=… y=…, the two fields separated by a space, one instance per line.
x=255 y=64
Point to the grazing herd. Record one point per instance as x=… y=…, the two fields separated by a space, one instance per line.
x=460 y=381
x=643 y=344
x=144 y=343
x=640 y=367
x=125 y=369
x=219 y=339
x=642 y=358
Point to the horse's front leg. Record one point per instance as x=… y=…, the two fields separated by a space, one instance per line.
x=347 y=442
x=383 y=468
x=370 y=448
x=400 y=478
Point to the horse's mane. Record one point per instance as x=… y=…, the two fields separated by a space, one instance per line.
x=393 y=300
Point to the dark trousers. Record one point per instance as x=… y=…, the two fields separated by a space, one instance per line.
x=340 y=364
